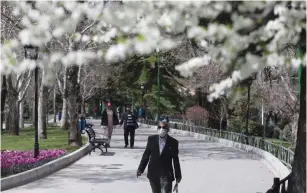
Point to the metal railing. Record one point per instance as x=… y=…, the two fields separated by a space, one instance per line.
x=285 y=155
x=280 y=186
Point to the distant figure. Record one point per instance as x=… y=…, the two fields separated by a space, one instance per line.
x=162 y=154
x=81 y=123
x=108 y=121
x=164 y=119
x=60 y=115
x=95 y=112
x=130 y=125
x=118 y=111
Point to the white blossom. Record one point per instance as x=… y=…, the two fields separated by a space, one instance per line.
x=141 y=24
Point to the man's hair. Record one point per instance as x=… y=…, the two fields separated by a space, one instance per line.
x=165 y=124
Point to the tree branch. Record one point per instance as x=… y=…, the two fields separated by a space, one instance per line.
x=18 y=80
x=89 y=26
x=25 y=88
x=24 y=81
x=293 y=98
x=87 y=44
x=11 y=20
x=10 y=84
x=60 y=84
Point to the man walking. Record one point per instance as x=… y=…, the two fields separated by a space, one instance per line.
x=162 y=151
x=108 y=120
x=130 y=125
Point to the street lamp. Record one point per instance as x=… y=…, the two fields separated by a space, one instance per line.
x=31 y=52
x=143 y=110
x=158 y=86
x=249 y=82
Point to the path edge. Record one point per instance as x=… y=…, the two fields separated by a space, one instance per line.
x=43 y=170
x=268 y=159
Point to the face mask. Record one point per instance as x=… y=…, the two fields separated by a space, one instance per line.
x=162 y=132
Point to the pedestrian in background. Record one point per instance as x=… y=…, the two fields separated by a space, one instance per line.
x=130 y=125
x=108 y=121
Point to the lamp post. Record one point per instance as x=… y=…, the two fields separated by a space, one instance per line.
x=31 y=52
x=249 y=84
x=143 y=110
x=158 y=86
x=132 y=103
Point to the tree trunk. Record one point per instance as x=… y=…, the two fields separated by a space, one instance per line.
x=20 y=108
x=64 y=122
x=298 y=181
x=12 y=124
x=73 y=101
x=221 y=124
x=247 y=112
x=42 y=107
x=33 y=112
x=3 y=98
x=21 y=112
x=54 y=105
x=82 y=107
x=294 y=126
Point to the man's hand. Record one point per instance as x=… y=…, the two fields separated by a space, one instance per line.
x=138 y=173
x=178 y=180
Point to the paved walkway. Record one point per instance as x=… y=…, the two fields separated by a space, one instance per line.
x=206 y=167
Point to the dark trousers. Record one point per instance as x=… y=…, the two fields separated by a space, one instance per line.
x=131 y=131
x=163 y=185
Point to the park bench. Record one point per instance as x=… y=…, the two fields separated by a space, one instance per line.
x=97 y=143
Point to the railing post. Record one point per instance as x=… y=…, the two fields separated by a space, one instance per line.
x=276 y=185
x=283 y=188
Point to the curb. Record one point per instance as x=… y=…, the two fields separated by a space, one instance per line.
x=268 y=159
x=43 y=170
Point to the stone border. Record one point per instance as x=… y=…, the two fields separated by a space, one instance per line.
x=43 y=170
x=271 y=162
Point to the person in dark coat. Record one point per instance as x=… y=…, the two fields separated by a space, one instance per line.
x=109 y=120
x=130 y=125
x=162 y=153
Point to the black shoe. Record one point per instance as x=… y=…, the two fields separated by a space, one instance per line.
x=131 y=147
x=126 y=146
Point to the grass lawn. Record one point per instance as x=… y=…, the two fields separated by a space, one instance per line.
x=279 y=142
x=286 y=144
x=57 y=139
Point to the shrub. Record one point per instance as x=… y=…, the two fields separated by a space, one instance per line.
x=286 y=133
x=197 y=114
x=276 y=132
x=235 y=124
x=255 y=128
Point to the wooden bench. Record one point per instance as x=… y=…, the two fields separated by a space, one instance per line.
x=97 y=143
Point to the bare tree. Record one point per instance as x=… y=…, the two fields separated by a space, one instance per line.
x=3 y=97
x=62 y=80
x=44 y=92
x=278 y=87
x=16 y=87
x=92 y=78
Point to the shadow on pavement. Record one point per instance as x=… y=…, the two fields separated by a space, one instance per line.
x=82 y=173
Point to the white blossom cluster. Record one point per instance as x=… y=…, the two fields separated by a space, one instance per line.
x=142 y=27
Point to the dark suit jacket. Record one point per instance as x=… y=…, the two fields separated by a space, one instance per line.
x=161 y=165
x=125 y=118
x=104 y=118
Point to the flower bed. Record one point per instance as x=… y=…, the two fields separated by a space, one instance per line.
x=13 y=162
